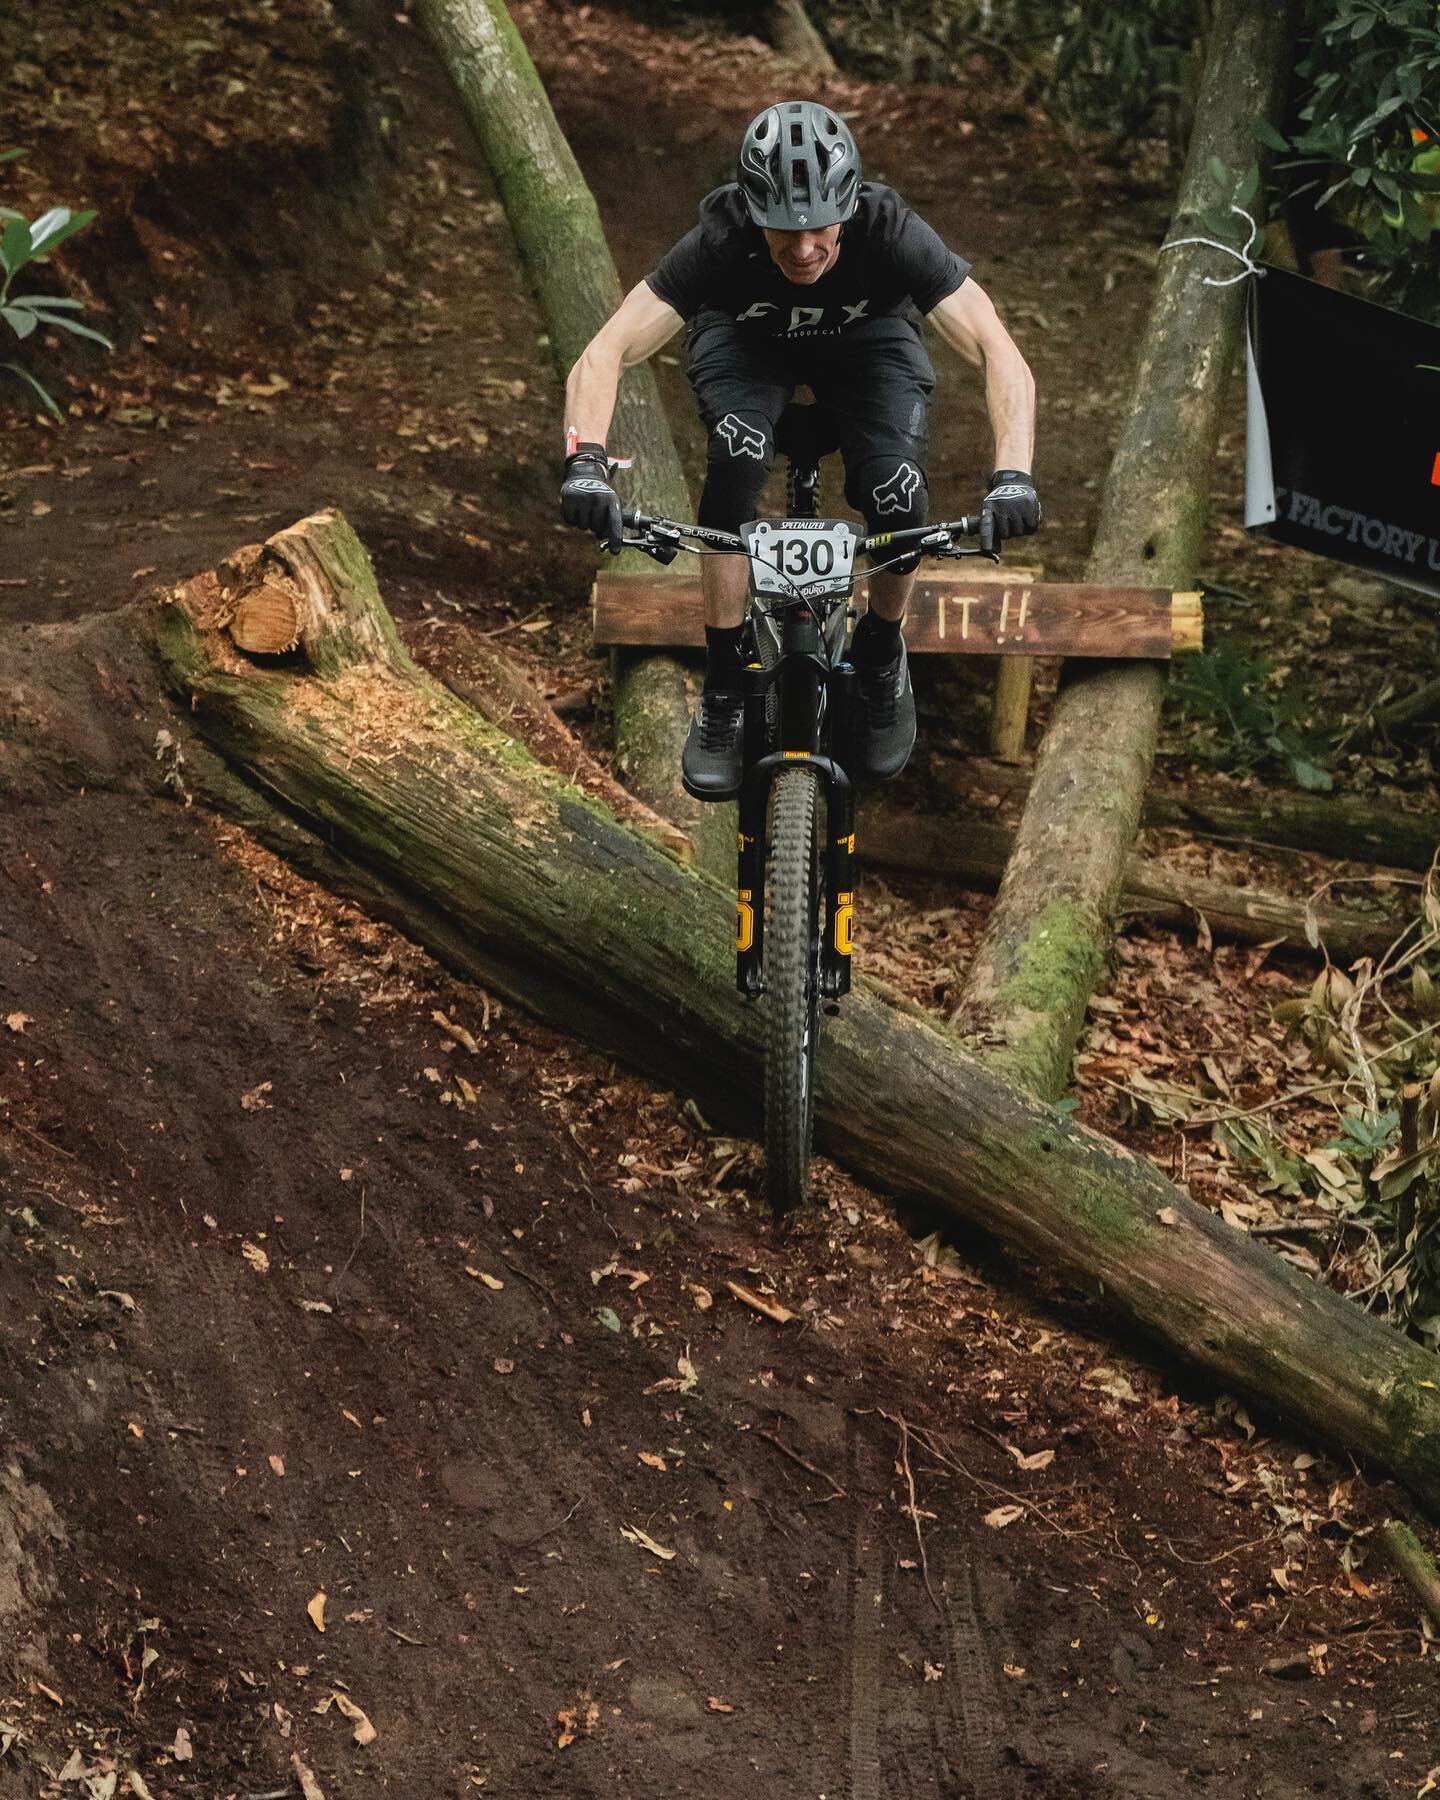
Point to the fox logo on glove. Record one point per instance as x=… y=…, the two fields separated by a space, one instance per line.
x=895 y=495
x=743 y=439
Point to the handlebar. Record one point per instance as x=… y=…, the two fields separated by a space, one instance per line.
x=662 y=535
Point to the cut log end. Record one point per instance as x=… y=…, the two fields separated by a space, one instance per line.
x=266 y=622
x=1187 y=623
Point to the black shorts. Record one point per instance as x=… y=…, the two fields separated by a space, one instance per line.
x=875 y=380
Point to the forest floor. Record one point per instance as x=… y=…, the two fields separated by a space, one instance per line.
x=332 y=1380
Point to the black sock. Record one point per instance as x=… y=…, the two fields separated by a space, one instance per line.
x=876 y=640
x=722 y=657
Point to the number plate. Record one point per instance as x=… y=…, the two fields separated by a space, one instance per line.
x=801 y=559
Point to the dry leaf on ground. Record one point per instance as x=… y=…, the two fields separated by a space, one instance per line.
x=634 y=1535
x=365 y=1732
x=316 y=1610
x=1003 y=1516
x=772 y=1309
x=309 y=1786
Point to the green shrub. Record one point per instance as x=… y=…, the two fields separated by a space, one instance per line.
x=22 y=242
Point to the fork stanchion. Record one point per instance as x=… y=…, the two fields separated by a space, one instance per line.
x=838 y=939
x=750 y=890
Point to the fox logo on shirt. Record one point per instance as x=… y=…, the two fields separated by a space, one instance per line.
x=895 y=495
x=743 y=439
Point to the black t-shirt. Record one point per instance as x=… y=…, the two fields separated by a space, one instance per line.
x=889 y=259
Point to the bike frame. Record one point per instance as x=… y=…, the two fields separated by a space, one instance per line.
x=815 y=688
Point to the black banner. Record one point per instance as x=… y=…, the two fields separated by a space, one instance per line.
x=1343 y=439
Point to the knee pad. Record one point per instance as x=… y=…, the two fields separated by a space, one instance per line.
x=891 y=492
x=739 y=455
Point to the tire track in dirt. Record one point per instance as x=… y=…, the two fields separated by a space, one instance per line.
x=909 y=1734
x=975 y=1720
x=867 y=1600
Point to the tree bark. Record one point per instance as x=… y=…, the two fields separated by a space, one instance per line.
x=1049 y=935
x=1413 y=1563
x=976 y=851
x=521 y=880
x=557 y=228
x=793 y=34
x=1350 y=827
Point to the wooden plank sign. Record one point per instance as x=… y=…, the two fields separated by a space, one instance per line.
x=948 y=615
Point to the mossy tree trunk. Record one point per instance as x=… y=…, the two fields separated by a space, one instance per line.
x=793 y=33
x=520 y=879
x=557 y=228
x=1048 y=938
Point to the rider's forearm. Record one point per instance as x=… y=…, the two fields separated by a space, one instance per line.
x=590 y=397
x=1010 y=401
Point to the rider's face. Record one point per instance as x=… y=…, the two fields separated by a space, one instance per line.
x=804 y=256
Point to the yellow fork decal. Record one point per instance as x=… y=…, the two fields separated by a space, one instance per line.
x=744 y=921
x=844 y=924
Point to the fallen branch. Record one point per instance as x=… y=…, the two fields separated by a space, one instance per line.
x=1352 y=827
x=976 y=851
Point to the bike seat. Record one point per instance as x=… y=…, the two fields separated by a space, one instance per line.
x=806 y=431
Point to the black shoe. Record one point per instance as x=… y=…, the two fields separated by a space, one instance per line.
x=710 y=764
x=887 y=717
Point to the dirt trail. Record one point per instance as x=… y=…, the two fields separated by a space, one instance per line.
x=300 y=1295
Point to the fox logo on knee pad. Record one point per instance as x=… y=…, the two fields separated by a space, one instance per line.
x=743 y=439
x=896 y=494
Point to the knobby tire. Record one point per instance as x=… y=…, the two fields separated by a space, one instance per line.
x=792 y=986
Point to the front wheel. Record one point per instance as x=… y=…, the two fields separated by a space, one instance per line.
x=792 y=985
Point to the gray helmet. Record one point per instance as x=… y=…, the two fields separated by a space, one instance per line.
x=799 y=168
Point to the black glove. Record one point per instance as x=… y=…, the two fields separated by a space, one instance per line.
x=1010 y=509
x=587 y=500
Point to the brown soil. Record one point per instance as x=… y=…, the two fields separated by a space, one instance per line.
x=302 y=1296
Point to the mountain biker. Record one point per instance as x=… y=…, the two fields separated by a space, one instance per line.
x=801 y=272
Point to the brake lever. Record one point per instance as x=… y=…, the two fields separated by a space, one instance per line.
x=994 y=555
x=661 y=551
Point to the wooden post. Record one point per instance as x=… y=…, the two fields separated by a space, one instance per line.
x=1010 y=709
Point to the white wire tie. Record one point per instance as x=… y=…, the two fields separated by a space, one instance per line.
x=1242 y=256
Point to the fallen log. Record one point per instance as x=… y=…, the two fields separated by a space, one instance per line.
x=526 y=883
x=558 y=231
x=494 y=685
x=1049 y=935
x=1349 y=827
x=976 y=851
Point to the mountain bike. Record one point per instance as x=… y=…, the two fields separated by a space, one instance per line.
x=795 y=898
